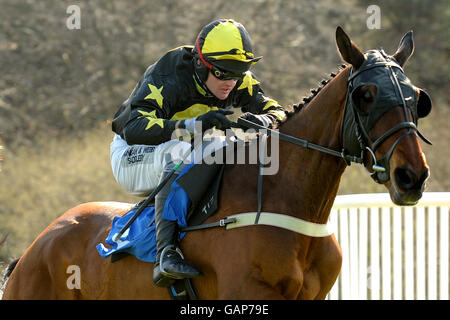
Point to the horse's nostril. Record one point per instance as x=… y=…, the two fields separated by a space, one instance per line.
x=405 y=178
x=424 y=176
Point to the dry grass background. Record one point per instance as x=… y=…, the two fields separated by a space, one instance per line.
x=39 y=184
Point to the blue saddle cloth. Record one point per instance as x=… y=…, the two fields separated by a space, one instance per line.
x=140 y=238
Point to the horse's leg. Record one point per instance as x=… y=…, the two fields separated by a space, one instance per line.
x=322 y=272
x=257 y=279
x=233 y=286
x=329 y=262
x=247 y=266
x=261 y=270
x=248 y=289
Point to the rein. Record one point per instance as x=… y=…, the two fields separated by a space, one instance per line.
x=302 y=142
x=380 y=167
x=275 y=219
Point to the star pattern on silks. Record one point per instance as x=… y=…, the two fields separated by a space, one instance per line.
x=248 y=83
x=155 y=94
x=152 y=119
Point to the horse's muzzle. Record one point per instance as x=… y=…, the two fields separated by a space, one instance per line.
x=409 y=186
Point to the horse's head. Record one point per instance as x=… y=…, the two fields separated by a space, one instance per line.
x=381 y=115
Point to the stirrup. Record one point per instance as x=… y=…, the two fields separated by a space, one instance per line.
x=163 y=253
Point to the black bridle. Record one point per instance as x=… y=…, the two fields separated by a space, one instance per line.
x=380 y=167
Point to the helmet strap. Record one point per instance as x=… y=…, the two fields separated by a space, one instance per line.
x=200 y=76
x=206 y=63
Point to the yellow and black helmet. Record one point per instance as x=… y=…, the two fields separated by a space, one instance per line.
x=226 y=45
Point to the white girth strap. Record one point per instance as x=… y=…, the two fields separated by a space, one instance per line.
x=282 y=221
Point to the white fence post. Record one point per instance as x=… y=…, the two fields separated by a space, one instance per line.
x=443 y=253
x=420 y=253
x=362 y=252
x=409 y=253
x=397 y=252
x=374 y=255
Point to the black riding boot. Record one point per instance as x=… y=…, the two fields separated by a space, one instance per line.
x=169 y=264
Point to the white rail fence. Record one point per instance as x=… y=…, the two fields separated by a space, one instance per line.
x=392 y=252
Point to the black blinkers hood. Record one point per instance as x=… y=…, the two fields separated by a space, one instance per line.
x=375 y=71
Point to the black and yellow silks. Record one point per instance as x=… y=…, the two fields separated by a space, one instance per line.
x=171 y=91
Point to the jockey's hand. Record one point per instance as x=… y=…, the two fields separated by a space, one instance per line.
x=261 y=119
x=216 y=118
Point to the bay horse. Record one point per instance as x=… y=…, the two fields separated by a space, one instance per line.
x=260 y=261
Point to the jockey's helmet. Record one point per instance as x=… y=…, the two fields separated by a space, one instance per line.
x=224 y=47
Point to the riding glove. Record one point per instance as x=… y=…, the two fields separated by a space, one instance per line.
x=213 y=118
x=261 y=119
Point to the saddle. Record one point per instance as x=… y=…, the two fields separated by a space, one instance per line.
x=202 y=185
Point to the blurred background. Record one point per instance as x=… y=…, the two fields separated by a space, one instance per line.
x=60 y=87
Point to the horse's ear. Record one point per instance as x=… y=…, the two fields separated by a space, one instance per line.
x=405 y=49
x=349 y=51
x=424 y=104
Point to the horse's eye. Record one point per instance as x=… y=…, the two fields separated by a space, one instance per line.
x=364 y=97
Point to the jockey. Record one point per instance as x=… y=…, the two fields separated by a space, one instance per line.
x=186 y=86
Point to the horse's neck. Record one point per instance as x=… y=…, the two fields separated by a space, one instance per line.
x=313 y=177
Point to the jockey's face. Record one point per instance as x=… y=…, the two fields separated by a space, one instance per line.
x=220 y=88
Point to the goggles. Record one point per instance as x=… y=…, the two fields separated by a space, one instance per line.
x=226 y=75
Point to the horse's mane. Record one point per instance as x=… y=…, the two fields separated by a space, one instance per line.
x=295 y=108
